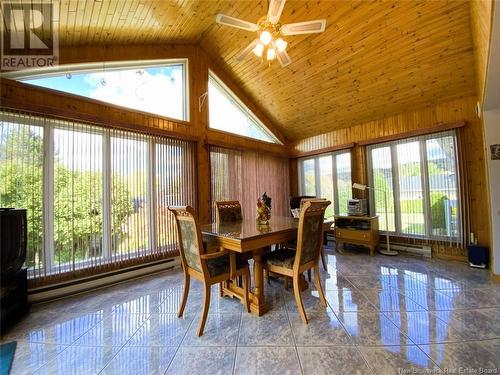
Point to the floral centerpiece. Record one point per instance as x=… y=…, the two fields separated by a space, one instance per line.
x=263 y=209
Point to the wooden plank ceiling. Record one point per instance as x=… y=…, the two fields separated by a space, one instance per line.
x=376 y=58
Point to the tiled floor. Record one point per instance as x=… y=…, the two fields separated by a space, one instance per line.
x=385 y=315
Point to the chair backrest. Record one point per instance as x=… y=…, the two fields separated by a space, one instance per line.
x=228 y=211
x=295 y=201
x=304 y=200
x=310 y=236
x=190 y=242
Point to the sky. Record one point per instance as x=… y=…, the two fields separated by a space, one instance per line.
x=226 y=116
x=157 y=90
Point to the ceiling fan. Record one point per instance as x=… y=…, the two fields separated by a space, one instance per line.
x=269 y=44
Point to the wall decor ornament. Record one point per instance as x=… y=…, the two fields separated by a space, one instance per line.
x=495 y=152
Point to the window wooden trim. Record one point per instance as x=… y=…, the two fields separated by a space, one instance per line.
x=325 y=150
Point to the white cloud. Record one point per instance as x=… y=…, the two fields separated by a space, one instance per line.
x=158 y=93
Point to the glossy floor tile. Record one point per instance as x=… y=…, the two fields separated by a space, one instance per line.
x=202 y=360
x=327 y=360
x=472 y=354
x=384 y=315
x=141 y=360
x=31 y=356
x=398 y=359
x=271 y=329
x=263 y=361
x=323 y=329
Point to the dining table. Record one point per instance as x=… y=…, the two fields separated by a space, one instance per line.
x=247 y=236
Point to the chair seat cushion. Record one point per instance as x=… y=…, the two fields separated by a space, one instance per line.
x=281 y=258
x=219 y=266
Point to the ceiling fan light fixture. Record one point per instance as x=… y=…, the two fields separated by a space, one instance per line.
x=258 y=50
x=265 y=37
x=271 y=54
x=269 y=43
x=281 y=45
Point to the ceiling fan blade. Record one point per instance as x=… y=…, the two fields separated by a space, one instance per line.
x=241 y=56
x=283 y=58
x=275 y=10
x=308 y=27
x=222 y=19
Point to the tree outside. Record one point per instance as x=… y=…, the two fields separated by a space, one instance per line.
x=78 y=219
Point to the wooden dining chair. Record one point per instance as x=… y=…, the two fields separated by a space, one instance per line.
x=228 y=211
x=322 y=253
x=208 y=268
x=292 y=263
x=296 y=201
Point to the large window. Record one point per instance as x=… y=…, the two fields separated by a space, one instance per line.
x=157 y=87
x=328 y=176
x=420 y=177
x=21 y=176
x=229 y=114
x=96 y=198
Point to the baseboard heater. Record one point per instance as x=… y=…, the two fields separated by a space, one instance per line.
x=82 y=285
x=421 y=250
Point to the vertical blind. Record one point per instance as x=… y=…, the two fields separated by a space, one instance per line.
x=244 y=176
x=421 y=180
x=97 y=198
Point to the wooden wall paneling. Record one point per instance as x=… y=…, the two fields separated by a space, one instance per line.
x=28 y=98
x=294 y=177
x=428 y=119
x=481 y=12
x=399 y=132
x=199 y=85
x=359 y=170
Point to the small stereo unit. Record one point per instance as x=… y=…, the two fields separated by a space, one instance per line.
x=357 y=207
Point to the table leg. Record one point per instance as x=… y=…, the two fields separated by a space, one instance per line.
x=337 y=247
x=258 y=304
x=372 y=250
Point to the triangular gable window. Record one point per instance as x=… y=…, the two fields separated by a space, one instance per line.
x=229 y=114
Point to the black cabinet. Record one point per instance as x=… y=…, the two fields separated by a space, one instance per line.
x=14 y=298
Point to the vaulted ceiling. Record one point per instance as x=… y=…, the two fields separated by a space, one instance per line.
x=376 y=58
